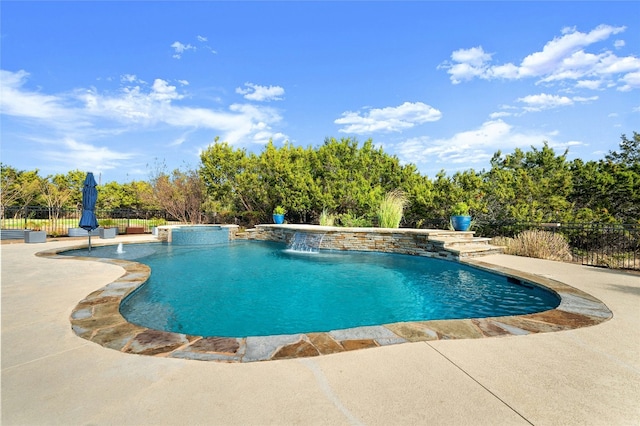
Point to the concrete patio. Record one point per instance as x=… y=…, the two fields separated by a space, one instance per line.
x=586 y=376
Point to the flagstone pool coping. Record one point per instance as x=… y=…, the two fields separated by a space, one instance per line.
x=97 y=318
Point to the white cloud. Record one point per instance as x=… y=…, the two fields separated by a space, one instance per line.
x=389 y=119
x=500 y=114
x=476 y=56
x=545 y=101
x=203 y=44
x=85 y=156
x=162 y=91
x=589 y=84
x=180 y=48
x=631 y=81
x=18 y=102
x=255 y=92
x=87 y=113
x=469 y=149
x=561 y=59
x=470 y=63
x=555 y=52
x=128 y=78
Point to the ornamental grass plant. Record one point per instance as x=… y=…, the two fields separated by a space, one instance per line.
x=391 y=208
x=536 y=243
x=326 y=218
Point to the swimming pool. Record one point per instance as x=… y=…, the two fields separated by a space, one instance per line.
x=97 y=317
x=250 y=288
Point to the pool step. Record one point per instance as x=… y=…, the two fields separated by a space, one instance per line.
x=465 y=244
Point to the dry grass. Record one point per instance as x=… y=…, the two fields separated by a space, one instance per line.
x=538 y=244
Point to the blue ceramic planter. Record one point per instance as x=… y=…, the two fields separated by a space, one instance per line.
x=461 y=223
x=278 y=219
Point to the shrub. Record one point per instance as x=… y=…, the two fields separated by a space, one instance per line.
x=107 y=223
x=391 y=208
x=326 y=218
x=32 y=225
x=538 y=244
x=505 y=242
x=350 y=221
x=153 y=222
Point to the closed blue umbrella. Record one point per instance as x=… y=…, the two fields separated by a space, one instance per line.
x=88 y=220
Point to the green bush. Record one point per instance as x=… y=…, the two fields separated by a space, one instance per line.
x=107 y=223
x=348 y=220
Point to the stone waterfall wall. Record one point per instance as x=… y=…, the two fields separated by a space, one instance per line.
x=403 y=241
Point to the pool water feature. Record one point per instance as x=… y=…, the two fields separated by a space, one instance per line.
x=258 y=289
x=305 y=242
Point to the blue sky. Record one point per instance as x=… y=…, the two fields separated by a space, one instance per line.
x=110 y=87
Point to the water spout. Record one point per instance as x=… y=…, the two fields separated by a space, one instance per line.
x=305 y=242
x=119 y=250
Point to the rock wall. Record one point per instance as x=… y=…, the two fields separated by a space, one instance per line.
x=417 y=242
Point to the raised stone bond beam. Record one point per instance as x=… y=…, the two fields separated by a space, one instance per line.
x=443 y=244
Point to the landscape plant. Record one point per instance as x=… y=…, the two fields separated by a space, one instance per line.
x=350 y=220
x=326 y=218
x=536 y=243
x=391 y=208
x=460 y=209
x=107 y=223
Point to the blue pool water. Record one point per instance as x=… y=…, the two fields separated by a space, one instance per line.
x=250 y=288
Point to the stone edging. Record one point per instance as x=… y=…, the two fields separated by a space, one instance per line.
x=97 y=318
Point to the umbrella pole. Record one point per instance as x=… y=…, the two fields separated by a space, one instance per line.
x=89 y=241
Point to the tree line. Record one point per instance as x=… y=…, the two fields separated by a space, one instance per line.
x=349 y=180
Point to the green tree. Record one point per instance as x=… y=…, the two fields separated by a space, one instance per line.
x=133 y=195
x=55 y=195
x=71 y=185
x=609 y=189
x=420 y=196
x=19 y=188
x=286 y=176
x=629 y=154
x=529 y=186
x=354 y=179
x=221 y=169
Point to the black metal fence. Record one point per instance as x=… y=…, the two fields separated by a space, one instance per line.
x=57 y=222
x=596 y=244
